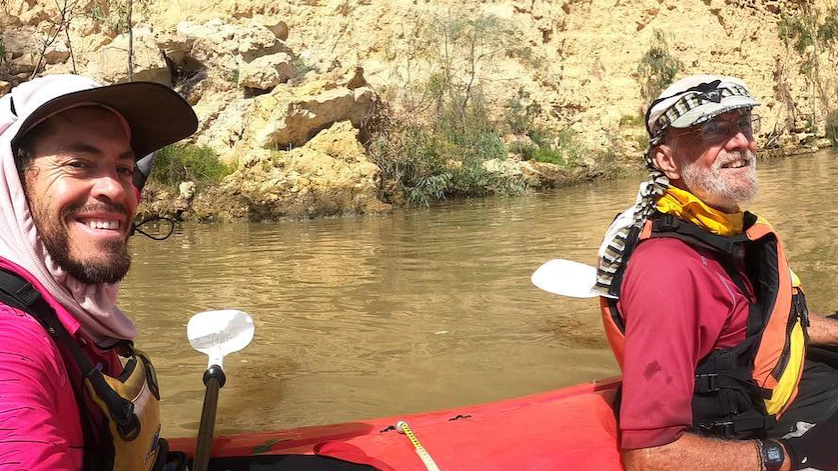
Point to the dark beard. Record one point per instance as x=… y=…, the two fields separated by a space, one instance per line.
x=55 y=240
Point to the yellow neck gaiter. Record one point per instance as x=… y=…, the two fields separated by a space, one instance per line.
x=686 y=206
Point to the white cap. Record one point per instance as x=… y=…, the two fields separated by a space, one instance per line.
x=155 y=114
x=696 y=99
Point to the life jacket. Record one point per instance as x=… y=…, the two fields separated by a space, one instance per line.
x=739 y=391
x=130 y=402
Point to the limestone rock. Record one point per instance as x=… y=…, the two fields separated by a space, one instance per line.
x=175 y=46
x=187 y=190
x=549 y=174
x=19 y=41
x=822 y=143
x=357 y=79
x=266 y=72
x=340 y=142
x=222 y=47
x=532 y=173
x=23 y=65
x=290 y=116
x=574 y=61
x=280 y=30
x=509 y=168
x=33 y=16
x=56 y=53
x=223 y=120
x=110 y=63
x=329 y=176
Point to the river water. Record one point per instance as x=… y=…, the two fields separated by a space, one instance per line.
x=416 y=310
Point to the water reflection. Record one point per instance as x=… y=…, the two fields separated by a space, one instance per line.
x=419 y=310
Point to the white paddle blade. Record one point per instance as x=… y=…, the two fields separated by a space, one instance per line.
x=566 y=278
x=220 y=333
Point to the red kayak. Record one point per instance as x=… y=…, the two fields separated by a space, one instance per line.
x=568 y=429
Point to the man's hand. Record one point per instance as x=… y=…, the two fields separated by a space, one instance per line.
x=816 y=448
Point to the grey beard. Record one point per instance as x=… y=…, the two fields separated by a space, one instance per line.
x=715 y=190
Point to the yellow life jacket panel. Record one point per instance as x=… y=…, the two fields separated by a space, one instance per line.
x=740 y=391
x=130 y=402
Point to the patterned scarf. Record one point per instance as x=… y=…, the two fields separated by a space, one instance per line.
x=624 y=232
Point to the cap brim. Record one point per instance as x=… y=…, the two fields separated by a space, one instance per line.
x=156 y=114
x=708 y=111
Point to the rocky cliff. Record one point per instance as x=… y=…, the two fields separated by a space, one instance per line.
x=289 y=91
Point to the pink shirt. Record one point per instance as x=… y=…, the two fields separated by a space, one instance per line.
x=679 y=305
x=40 y=425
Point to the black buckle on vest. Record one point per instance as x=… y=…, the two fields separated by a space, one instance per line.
x=693 y=234
x=719 y=429
x=707 y=383
x=668 y=222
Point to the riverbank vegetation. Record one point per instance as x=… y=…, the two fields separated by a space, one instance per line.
x=809 y=34
x=446 y=139
x=449 y=131
x=657 y=68
x=183 y=163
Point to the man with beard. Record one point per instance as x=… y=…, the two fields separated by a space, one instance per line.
x=707 y=321
x=74 y=393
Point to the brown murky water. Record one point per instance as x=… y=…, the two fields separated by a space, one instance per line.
x=419 y=310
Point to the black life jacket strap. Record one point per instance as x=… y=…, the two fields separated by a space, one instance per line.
x=19 y=293
x=756 y=320
x=737 y=379
x=748 y=424
x=667 y=225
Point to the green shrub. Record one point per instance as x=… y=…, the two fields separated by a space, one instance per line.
x=438 y=147
x=433 y=161
x=516 y=117
x=301 y=66
x=642 y=141
x=573 y=151
x=179 y=163
x=631 y=120
x=549 y=155
x=797 y=31
x=560 y=148
x=233 y=76
x=828 y=30
x=811 y=33
x=832 y=127
x=657 y=68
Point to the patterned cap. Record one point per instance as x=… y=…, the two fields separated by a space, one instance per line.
x=694 y=100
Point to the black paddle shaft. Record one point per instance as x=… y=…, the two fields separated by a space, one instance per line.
x=214 y=379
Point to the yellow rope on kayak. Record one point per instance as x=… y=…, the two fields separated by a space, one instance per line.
x=402 y=427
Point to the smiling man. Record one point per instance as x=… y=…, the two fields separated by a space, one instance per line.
x=707 y=321
x=74 y=393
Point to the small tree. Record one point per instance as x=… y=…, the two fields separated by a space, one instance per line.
x=438 y=146
x=60 y=24
x=810 y=32
x=129 y=8
x=657 y=68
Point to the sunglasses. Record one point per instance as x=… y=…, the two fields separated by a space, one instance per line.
x=718 y=131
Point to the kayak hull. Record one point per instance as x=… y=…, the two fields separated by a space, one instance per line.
x=572 y=428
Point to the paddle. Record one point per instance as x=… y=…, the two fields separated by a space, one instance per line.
x=215 y=334
x=566 y=278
